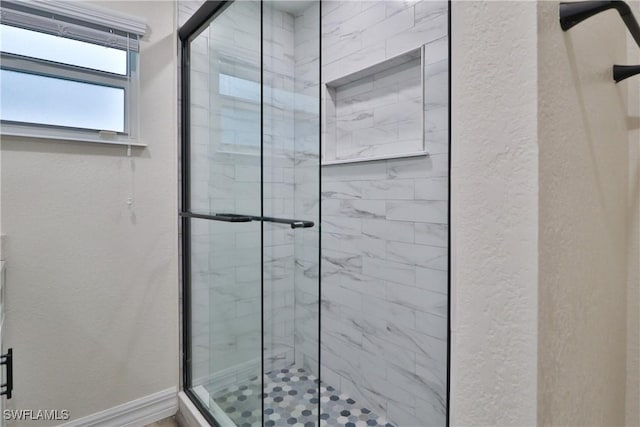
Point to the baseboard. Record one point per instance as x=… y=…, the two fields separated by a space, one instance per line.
x=188 y=415
x=137 y=413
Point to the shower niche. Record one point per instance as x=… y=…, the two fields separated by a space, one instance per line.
x=377 y=112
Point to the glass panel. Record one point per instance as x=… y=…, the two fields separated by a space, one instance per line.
x=225 y=179
x=225 y=319
x=291 y=190
x=31 y=98
x=38 y=45
x=225 y=113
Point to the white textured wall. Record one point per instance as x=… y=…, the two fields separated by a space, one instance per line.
x=583 y=229
x=494 y=213
x=540 y=278
x=92 y=288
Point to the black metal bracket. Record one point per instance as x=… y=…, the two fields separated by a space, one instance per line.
x=7 y=388
x=621 y=72
x=573 y=13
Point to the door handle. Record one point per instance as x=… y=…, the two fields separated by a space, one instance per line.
x=7 y=360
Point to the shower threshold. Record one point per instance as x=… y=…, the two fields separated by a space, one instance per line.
x=291 y=399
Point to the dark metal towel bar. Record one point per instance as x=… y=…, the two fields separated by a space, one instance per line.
x=219 y=217
x=229 y=217
x=294 y=223
x=574 y=13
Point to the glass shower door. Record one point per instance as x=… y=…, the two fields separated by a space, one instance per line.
x=250 y=209
x=222 y=213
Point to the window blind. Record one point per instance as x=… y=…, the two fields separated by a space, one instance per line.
x=66 y=19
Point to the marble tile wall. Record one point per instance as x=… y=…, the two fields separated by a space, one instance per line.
x=384 y=223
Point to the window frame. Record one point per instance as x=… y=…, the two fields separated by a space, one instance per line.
x=129 y=82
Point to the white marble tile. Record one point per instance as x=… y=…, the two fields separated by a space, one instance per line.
x=356 y=245
x=341 y=225
x=362 y=59
x=432 y=280
x=370 y=135
x=389 y=270
x=428 y=10
x=417 y=299
x=419 y=167
x=341 y=190
x=431 y=324
x=394 y=6
x=398 y=23
x=417 y=211
x=399 y=314
x=354 y=171
x=437 y=85
x=372 y=342
x=435 y=188
x=399 y=76
x=336 y=261
x=423 y=32
x=431 y=234
x=404 y=415
x=335 y=13
x=397 y=189
x=388 y=230
x=371 y=286
x=346 y=296
x=362 y=106
x=418 y=255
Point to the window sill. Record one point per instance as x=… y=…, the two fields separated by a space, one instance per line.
x=67 y=135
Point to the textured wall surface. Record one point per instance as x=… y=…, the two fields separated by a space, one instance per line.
x=583 y=230
x=494 y=213
x=384 y=223
x=93 y=313
x=561 y=214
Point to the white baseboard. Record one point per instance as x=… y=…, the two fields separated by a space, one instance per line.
x=188 y=414
x=137 y=413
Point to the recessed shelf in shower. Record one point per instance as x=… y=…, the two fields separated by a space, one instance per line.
x=377 y=112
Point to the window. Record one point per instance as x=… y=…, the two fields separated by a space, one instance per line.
x=68 y=72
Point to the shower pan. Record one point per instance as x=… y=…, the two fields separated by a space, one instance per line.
x=276 y=331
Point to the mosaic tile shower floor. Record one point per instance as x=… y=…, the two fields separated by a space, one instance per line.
x=291 y=400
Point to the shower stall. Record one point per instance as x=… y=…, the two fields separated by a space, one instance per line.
x=314 y=212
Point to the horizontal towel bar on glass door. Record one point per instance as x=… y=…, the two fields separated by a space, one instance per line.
x=219 y=217
x=228 y=217
x=294 y=223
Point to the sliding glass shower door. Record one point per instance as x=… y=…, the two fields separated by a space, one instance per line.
x=250 y=211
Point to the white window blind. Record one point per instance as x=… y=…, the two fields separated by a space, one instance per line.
x=74 y=21
x=68 y=71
